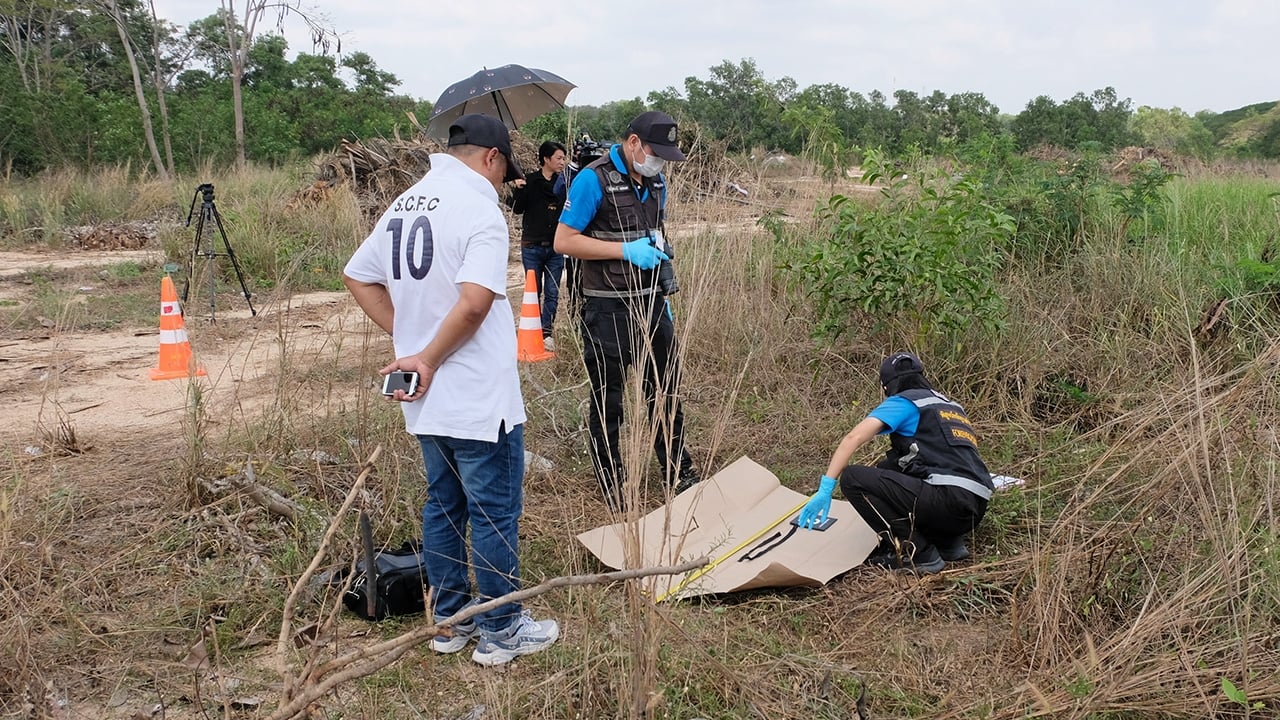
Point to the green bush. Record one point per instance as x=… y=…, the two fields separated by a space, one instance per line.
x=1142 y=200
x=927 y=255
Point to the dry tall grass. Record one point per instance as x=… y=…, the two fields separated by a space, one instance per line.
x=1135 y=572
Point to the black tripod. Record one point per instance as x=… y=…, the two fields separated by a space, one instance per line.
x=203 y=247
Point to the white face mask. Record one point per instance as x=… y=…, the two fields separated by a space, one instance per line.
x=651 y=166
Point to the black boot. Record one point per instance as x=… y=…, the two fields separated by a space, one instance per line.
x=883 y=552
x=924 y=560
x=688 y=478
x=952 y=548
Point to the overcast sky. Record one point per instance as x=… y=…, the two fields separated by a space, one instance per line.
x=1192 y=54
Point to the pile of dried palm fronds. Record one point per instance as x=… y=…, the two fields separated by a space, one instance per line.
x=112 y=235
x=378 y=170
x=1128 y=158
x=708 y=172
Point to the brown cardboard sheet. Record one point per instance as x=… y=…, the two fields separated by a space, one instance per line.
x=741 y=508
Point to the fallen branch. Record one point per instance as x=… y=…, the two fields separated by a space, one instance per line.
x=247 y=482
x=366 y=661
x=265 y=496
x=290 y=603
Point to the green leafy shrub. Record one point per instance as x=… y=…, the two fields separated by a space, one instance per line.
x=1142 y=200
x=927 y=255
x=1071 y=195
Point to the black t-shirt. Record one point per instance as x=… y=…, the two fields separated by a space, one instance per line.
x=540 y=205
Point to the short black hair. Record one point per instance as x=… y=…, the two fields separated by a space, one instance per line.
x=549 y=148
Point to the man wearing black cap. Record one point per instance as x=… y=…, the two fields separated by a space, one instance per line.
x=613 y=222
x=433 y=274
x=931 y=488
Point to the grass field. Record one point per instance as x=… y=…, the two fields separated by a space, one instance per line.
x=1132 y=382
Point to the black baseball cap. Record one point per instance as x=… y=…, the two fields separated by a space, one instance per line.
x=657 y=129
x=488 y=132
x=897 y=365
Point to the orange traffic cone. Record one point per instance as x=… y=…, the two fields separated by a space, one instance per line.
x=529 y=345
x=175 y=349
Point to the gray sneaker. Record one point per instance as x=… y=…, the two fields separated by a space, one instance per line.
x=524 y=637
x=458 y=634
x=461 y=634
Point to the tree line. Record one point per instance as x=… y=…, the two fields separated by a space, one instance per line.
x=739 y=106
x=109 y=82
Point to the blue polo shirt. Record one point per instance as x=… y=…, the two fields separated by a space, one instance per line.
x=899 y=414
x=585 y=194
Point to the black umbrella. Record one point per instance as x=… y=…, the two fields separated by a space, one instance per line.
x=512 y=93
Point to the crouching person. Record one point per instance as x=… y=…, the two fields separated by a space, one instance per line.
x=930 y=490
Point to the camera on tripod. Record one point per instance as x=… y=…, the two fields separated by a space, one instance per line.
x=204 y=248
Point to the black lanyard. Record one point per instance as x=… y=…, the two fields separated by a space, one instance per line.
x=768 y=544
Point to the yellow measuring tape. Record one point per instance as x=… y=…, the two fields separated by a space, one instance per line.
x=712 y=566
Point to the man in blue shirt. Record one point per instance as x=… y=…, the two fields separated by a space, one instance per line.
x=613 y=222
x=930 y=489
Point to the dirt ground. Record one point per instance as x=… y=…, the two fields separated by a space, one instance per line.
x=99 y=380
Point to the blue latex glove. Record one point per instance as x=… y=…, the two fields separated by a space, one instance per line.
x=670 y=316
x=642 y=254
x=815 y=511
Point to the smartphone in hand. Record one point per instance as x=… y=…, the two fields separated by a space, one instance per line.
x=399 y=380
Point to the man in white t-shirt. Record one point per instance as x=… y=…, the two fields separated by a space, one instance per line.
x=433 y=274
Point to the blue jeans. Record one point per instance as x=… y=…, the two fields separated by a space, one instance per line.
x=547 y=266
x=478 y=484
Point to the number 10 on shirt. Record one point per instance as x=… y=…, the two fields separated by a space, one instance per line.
x=419 y=261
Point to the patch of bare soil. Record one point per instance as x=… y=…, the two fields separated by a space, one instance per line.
x=100 y=381
x=15 y=264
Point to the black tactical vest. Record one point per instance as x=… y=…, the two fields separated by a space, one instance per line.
x=944 y=450
x=621 y=217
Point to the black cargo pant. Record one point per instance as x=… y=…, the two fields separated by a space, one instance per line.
x=616 y=335
x=910 y=508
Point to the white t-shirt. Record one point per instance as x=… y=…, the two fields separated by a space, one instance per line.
x=445 y=230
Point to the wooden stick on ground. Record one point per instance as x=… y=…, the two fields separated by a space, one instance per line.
x=265 y=496
x=286 y=622
x=366 y=661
